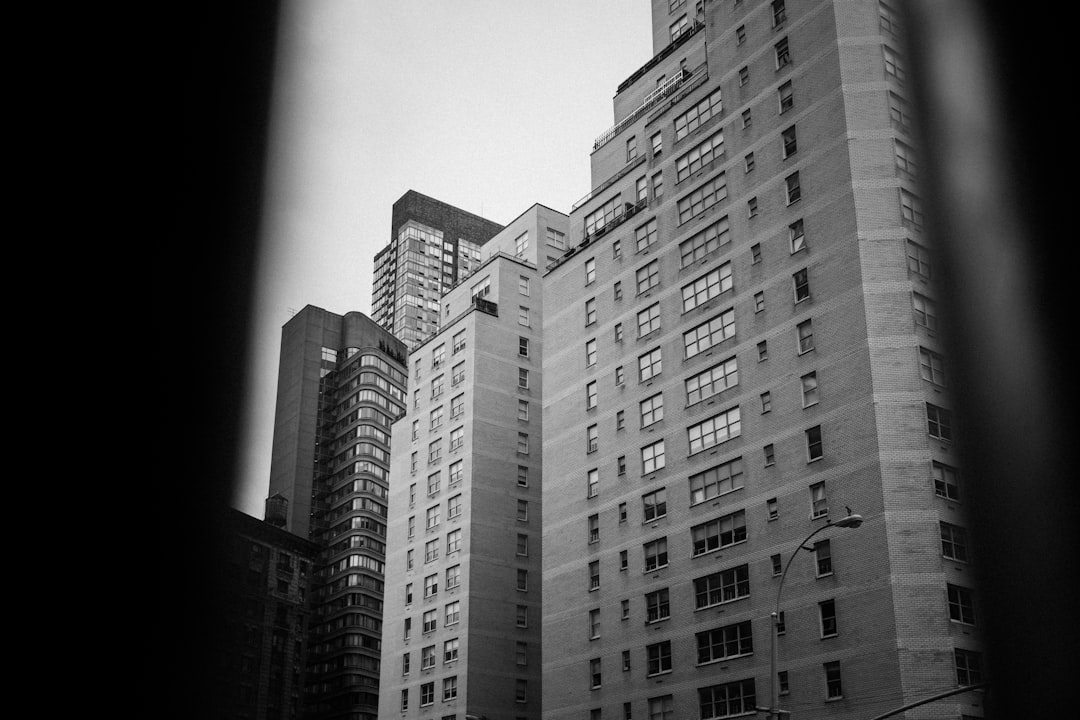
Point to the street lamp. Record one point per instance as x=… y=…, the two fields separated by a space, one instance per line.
x=851 y=521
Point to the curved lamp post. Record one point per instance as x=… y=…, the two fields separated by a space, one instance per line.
x=851 y=521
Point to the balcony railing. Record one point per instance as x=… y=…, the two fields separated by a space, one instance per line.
x=486 y=306
x=623 y=214
x=651 y=100
x=610 y=181
x=685 y=35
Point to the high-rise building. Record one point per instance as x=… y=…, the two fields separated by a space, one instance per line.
x=743 y=354
x=341 y=385
x=462 y=619
x=267 y=614
x=432 y=247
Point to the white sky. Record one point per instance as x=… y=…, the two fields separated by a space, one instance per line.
x=488 y=105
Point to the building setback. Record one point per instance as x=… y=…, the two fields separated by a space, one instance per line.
x=463 y=567
x=745 y=350
x=262 y=655
x=432 y=246
x=341 y=385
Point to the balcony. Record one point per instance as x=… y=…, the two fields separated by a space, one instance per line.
x=651 y=100
x=486 y=306
x=627 y=211
x=659 y=57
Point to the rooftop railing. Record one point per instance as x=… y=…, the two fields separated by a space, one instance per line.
x=650 y=101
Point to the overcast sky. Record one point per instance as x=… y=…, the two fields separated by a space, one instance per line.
x=488 y=105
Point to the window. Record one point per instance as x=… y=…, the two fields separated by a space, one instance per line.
x=724 y=643
x=590 y=311
x=789 y=144
x=762 y=351
x=715 y=430
x=617 y=291
x=408 y=593
x=661 y=708
x=704 y=242
x=655 y=554
x=819 y=503
x=833 y=686
x=894 y=64
x=657 y=606
x=748 y=161
x=592 y=438
x=435 y=451
x=946 y=481
x=770 y=455
x=716 y=481
x=783 y=54
x=409 y=560
x=710 y=382
x=590 y=395
x=709 y=333
x=521 y=691
x=594 y=575
x=621 y=464
x=522 y=476
x=654 y=505
x=619 y=379
x=747 y=118
x=648 y=320
x=594 y=674
x=766 y=402
x=523 y=346
x=457 y=406
x=900 y=112
x=436 y=387
x=523 y=315
x=699 y=156
x=954 y=542
x=427 y=657
x=657 y=144
x=932 y=366
x=594 y=624
x=652 y=457
x=413 y=460
x=522 y=616
x=405 y=659
x=453 y=508
x=652 y=410
x=801 y=284
x=658 y=657
x=449 y=688
x=452 y=612
x=645 y=235
x=785 y=97
x=823 y=558
x=456 y=473
x=556 y=239
x=590 y=270
x=906 y=159
x=751 y=208
x=431 y=551
x=827 y=615
x=918 y=259
x=416 y=427
x=620 y=420
x=521 y=244
x=648 y=277
x=804 y=333
x=523 y=410
x=436 y=420
x=961 y=604
x=523 y=443
x=590 y=352
x=593 y=483
x=522 y=580
x=430 y=621
x=438 y=357
x=777 y=564
x=703 y=198
x=453 y=541
x=797 y=236
x=706 y=287
x=718 y=533
x=968 y=666
x=890 y=21
x=755 y=253
x=696 y=116
x=641 y=189
x=939 y=422
x=432 y=516
x=405 y=699
x=727 y=700
x=521 y=654
x=772 y=505
x=427 y=694
x=744 y=75
x=453 y=576
x=779 y=12
x=457 y=438
x=792 y=188
x=925 y=311
x=911 y=209
x=631 y=148
x=618 y=332
x=809 y=389
x=678 y=28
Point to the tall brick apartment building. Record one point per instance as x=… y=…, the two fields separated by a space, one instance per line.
x=744 y=351
x=463 y=577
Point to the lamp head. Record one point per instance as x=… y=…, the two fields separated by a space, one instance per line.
x=851 y=521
